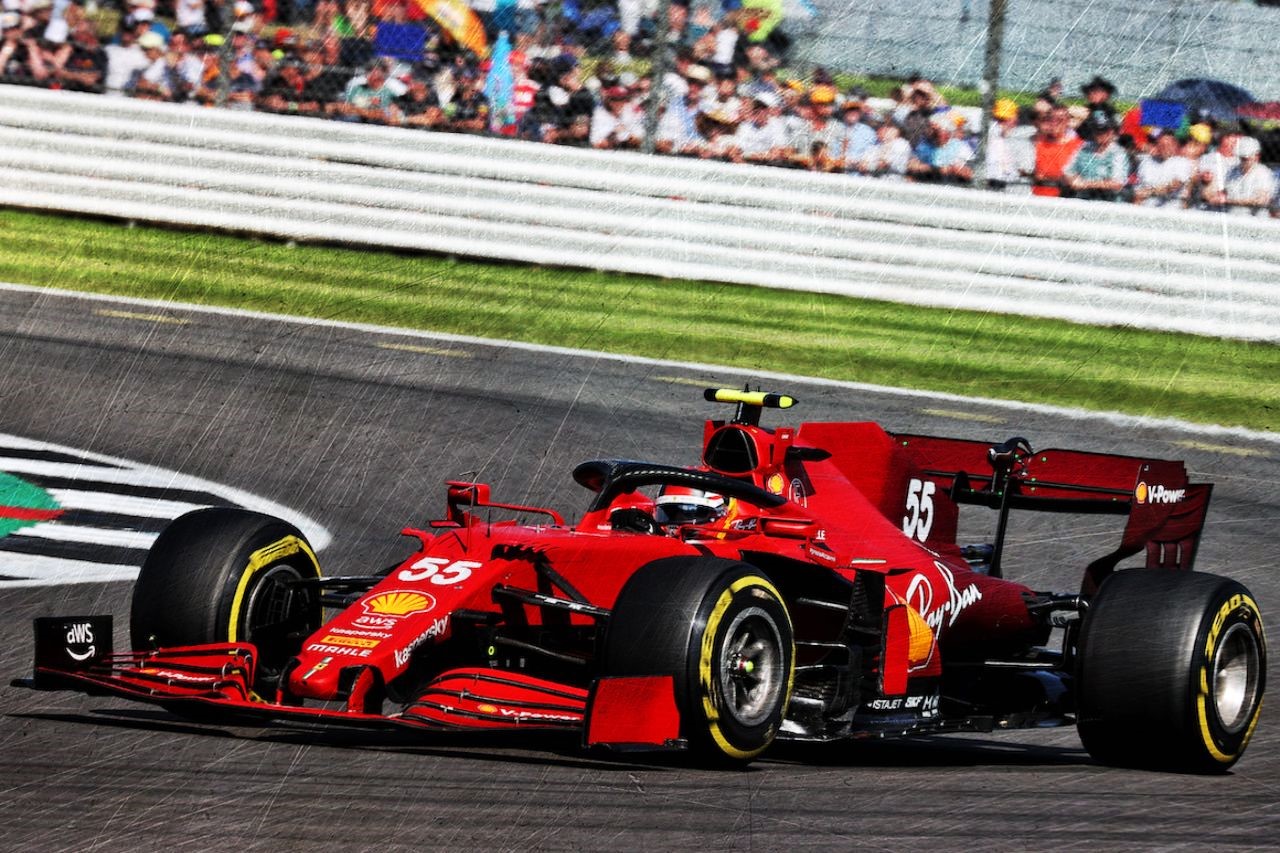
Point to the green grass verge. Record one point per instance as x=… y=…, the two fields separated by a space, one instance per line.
x=971 y=353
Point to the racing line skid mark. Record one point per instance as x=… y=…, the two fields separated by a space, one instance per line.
x=450 y=353
x=1225 y=449
x=138 y=315
x=956 y=414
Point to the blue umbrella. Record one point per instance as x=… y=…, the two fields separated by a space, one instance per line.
x=1207 y=97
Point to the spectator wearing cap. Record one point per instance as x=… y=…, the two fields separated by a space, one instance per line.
x=858 y=137
x=617 y=121
x=1208 y=181
x=1055 y=144
x=1162 y=175
x=140 y=15
x=944 y=156
x=82 y=67
x=287 y=91
x=169 y=77
x=717 y=129
x=762 y=137
x=369 y=98
x=892 y=155
x=125 y=58
x=420 y=105
x=816 y=142
x=677 y=131
x=468 y=111
x=1009 y=158
x=1250 y=186
x=916 y=122
x=20 y=58
x=1100 y=169
x=1098 y=93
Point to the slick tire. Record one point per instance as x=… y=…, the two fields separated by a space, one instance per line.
x=721 y=629
x=1172 y=666
x=222 y=575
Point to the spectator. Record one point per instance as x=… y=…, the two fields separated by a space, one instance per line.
x=82 y=67
x=420 y=105
x=1055 y=144
x=124 y=60
x=1100 y=169
x=943 y=156
x=918 y=118
x=717 y=129
x=20 y=57
x=1008 y=157
x=1250 y=186
x=162 y=79
x=891 y=157
x=617 y=121
x=468 y=112
x=369 y=98
x=190 y=18
x=1211 y=170
x=858 y=138
x=722 y=98
x=816 y=142
x=287 y=91
x=677 y=131
x=1162 y=175
x=762 y=137
x=1098 y=93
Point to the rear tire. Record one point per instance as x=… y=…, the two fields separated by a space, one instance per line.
x=1172 y=671
x=721 y=629
x=222 y=575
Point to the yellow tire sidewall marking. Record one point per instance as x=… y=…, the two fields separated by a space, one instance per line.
x=707 y=656
x=258 y=561
x=1238 y=601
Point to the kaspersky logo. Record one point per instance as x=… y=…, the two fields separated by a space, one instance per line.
x=398 y=602
x=1157 y=494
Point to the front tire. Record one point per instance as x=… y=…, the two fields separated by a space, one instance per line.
x=1172 y=671
x=722 y=630
x=222 y=575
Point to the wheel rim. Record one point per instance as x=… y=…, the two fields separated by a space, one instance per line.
x=1236 y=669
x=276 y=616
x=751 y=660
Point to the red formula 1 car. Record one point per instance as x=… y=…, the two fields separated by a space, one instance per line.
x=800 y=583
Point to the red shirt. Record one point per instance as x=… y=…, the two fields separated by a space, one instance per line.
x=1051 y=161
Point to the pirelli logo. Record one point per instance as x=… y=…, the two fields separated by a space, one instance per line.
x=352 y=642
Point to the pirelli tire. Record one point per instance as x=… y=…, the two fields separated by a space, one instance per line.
x=220 y=575
x=723 y=631
x=1172 y=667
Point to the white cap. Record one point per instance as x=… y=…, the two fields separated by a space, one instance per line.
x=1248 y=147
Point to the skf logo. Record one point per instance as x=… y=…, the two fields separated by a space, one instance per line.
x=398 y=603
x=1157 y=494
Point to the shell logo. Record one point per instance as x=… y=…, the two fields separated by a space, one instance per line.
x=487 y=709
x=1140 y=493
x=398 y=603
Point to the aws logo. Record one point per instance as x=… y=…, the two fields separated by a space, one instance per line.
x=398 y=602
x=1157 y=494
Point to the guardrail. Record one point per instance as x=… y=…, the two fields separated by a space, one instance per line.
x=314 y=180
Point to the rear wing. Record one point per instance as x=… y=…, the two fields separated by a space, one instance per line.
x=1165 y=511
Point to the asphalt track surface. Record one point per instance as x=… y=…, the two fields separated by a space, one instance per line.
x=358 y=429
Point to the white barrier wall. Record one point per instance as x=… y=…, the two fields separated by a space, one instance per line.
x=308 y=179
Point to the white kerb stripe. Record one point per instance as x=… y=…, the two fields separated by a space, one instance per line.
x=39 y=570
x=88 y=535
x=124 y=504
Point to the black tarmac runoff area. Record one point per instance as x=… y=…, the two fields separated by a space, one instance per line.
x=359 y=428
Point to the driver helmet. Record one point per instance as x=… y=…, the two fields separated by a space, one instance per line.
x=684 y=505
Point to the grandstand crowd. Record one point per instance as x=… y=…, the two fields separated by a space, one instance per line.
x=579 y=72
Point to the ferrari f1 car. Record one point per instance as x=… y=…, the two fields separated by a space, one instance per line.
x=799 y=583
